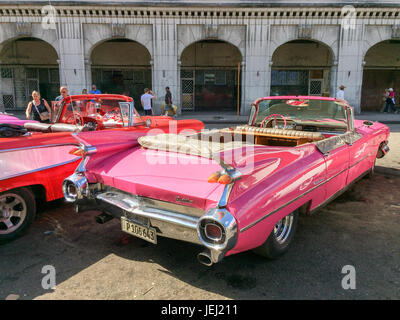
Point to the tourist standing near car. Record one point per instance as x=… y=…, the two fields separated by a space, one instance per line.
x=145 y=99
x=95 y=90
x=63 y=93
x=39 y=108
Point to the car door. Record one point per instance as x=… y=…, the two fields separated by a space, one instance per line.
x=337 y=165
x=335 y=151
x=362 y=150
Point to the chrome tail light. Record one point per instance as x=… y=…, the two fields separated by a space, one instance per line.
x=75 y=187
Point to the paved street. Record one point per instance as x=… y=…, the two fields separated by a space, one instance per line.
x=92 y=261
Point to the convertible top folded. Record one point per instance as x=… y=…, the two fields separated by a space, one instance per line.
x=192 y=145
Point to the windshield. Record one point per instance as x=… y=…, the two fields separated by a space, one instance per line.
x=302 y=110
x=104 y=112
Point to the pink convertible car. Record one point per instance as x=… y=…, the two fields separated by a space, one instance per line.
x=229 y=190
x=10 y=119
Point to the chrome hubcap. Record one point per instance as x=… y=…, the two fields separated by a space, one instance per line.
x=283 y=228
x=12 y=212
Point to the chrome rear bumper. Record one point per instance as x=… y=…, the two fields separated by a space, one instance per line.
x=170 y=224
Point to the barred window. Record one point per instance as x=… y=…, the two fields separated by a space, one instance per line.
x=6 y=73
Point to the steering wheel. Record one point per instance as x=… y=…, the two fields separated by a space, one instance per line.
x=75 y=118
x=275 y=115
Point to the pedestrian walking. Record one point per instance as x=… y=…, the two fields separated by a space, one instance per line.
x=63 y=93
x=390 y=101
x=385 y=96
x=145 y=99
x=340 y=93
x=167 y=107
x=39 y=107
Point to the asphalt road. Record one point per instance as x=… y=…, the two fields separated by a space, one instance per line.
x=92 y=261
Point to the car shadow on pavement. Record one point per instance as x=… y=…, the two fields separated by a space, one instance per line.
x=95 y=261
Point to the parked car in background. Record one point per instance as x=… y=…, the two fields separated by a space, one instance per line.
x=234 y=189
x=34 y=165
x=10 y=119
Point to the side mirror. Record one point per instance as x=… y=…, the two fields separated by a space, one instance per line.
x=252 y=113
x=148 y=123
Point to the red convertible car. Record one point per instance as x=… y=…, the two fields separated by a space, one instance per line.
x=234 y=189
x=34 y=165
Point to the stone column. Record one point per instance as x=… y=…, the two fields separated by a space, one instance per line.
x=350 y=68
x=72 y=60
x=88 y=75
x=257 y=69
x=165 y=63
x=334 y=85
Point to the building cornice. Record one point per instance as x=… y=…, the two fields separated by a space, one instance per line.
x=210 y=3
x=211 y=12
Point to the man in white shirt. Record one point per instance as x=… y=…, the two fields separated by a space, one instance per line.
x=146 y=102
x=340 y=93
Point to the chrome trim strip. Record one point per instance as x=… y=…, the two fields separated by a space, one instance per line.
x=223 y=201
x=303 y=194
x=338 y=193
x=40 y=169
x=39 y=146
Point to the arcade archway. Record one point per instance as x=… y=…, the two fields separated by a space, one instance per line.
x=121 y=66
x=301 y=67
x=27 y=64
x=209 y=76
x=381 y=71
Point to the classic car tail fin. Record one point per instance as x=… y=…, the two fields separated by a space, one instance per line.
x=98 y=145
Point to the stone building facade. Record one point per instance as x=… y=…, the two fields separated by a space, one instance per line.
x=213 y=56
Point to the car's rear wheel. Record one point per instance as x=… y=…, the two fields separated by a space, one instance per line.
x=279 y=240
x=17 y=211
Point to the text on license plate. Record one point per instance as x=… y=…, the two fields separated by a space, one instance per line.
x=145 y=233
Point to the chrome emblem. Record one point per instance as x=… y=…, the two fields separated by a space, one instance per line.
x=183 y=200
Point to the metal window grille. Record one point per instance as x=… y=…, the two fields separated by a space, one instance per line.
x=6 y=73
x=185 y=74
x=315 y=87
x=187 y=95
x=8 y=101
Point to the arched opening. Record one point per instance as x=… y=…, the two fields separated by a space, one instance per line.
x=381 y=71
x=27 y=64
x=121 y=66
x=301 y=67
x=209 y=76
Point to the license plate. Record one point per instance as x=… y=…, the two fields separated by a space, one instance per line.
x=137 y=230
